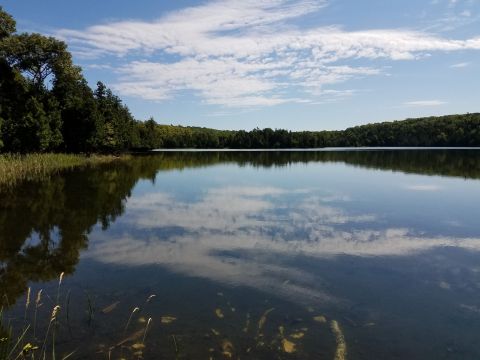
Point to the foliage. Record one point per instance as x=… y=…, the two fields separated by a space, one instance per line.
x=47 y=105
x=452 y=130
x=7 y=24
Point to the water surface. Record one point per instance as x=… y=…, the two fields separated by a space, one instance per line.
x=248 y=253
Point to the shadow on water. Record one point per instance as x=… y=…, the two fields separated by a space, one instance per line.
x=45 y=226
x=441 y=162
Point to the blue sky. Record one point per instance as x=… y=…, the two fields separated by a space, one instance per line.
x=305 y=64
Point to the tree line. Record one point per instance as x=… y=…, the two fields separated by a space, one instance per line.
x=450 y=130
x=46 y=105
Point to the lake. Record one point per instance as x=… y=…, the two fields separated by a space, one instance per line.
x=356 y=254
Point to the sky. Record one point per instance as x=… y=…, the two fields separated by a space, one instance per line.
x=297 y=65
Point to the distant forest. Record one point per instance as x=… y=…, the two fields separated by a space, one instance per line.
x=46 y=105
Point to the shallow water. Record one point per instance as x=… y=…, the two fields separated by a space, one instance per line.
x=251 y=255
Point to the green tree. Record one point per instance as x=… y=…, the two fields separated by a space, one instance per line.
x=7 y=24
x=119 y=126
x=37 y=129
x=38 y=57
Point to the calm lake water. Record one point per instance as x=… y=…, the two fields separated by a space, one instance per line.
x=250 y=255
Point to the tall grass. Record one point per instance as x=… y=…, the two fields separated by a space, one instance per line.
x=24 y=344
x=15 y=168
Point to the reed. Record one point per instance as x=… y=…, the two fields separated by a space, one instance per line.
x=26 y=345
x=59 y=285
x=67 y=313
x=53 y=319
x=20 y=339
x=27 y=304
x=15 y=168
x=38 y=303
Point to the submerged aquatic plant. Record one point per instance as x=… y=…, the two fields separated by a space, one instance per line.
x=150 y=298
x=146 y=330
x=263 y=319
x=90 y=309
x=288 y=339
x=175 y=344
x=167 y=319
x=341 y=351
x=130 y=318
x=288 y=346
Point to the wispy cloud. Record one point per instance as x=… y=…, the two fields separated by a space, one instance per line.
x=460 y=65
x=456 y=14
x=423 y=103
x=247 y=53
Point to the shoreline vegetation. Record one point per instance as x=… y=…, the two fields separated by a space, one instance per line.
x=15 y=168
x=47 y=106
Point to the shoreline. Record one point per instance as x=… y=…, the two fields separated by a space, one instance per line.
x=15 y=168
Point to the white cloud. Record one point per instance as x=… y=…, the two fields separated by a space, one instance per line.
x=424 y=103
x=460 y=65
x=246 y=52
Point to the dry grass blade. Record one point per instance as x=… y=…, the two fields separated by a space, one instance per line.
x=69 y=355
x=20 y=338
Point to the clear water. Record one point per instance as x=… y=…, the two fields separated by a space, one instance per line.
x=252 y=255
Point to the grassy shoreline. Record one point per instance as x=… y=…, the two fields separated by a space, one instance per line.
x=15 y=168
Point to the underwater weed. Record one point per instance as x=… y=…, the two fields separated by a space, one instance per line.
x=130 y=318
x=90 y=309
x=341 y=351
x=150 y=298
x=175 y=345
x=263 y=320
x=146 y=329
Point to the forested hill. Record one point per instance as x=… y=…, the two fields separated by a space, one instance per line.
x=46 y=105
x=451 y=130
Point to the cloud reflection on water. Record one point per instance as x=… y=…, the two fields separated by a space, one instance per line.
x=247 y=235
